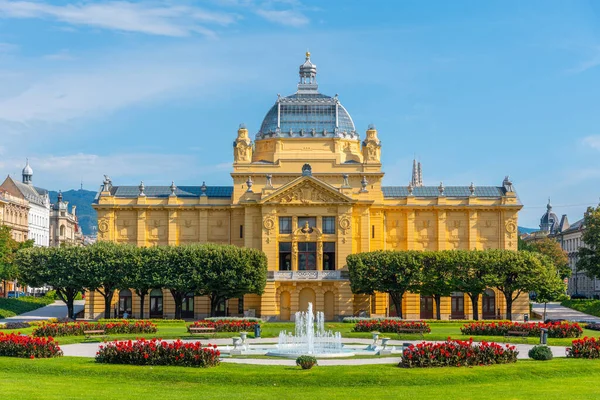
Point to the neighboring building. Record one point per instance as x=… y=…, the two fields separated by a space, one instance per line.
x=309 y=192
x=64 y=228
x=39 y=205
x=13 y=213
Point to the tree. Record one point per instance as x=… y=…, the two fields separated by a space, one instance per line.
x=471 y=275
x=437 y=276
x=108 y=265
x=8 y=250
x=551 y=286
x=589 y=254
x=62 y=268
x=391 y=272
x=557 y=255
x=177 y=265
x=140 y=272
x=514 y=273
x=224 y=272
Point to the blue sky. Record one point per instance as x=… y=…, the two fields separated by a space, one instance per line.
x=156 y=90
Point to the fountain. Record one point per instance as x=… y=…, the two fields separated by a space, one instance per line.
x=310 y=337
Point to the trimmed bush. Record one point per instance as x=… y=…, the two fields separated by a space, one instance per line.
x=77 y=328
x=354 y=320
x=540 y=353
x=306 y=362
x=593 y=326
x=158 y=352
x=584 y=348
x=390 y=326
x=251 y=319
x=457 y=353
x=223 y=325
x=15 y=325
x=17 y=345
x=555 y=329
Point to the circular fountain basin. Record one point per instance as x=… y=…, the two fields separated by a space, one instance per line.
x=317 y=355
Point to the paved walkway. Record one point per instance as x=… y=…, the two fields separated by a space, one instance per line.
x=556 y=311
x=90 y=349
x=58 y=309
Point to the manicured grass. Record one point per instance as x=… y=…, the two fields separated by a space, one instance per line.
x=12 y=307
x=591 y=307
x=439 y=331
x=69 y=377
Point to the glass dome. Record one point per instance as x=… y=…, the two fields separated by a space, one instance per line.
x=307 y=113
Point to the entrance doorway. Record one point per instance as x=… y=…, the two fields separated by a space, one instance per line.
x=284 y=306
x=458 y=305
x=488 y=304
x=187 y=308
x=426 y=307
x=156 y=303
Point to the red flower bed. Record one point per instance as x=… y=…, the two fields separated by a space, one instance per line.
x=457 y=353
x=390 y=325
x=77 y=328
x=584 y=348
x=158 y=352
x=224 y=325
x=16 y=345
x=555 y=329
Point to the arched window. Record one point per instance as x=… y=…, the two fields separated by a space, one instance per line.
x=62 y=230
x=156 y=303
x=125 y=302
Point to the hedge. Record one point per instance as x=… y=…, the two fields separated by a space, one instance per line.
x=555 y=329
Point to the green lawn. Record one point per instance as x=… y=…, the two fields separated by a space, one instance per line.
x=12 y=307
x=69 y=377
x=591 y=307
x=439 y=331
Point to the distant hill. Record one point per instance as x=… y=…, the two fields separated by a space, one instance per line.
x=527 y=230
x=88 y=219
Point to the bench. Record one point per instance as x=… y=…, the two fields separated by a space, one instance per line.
x=522 y=334
x=198 y=330
x=94 y=333
x=412 y=330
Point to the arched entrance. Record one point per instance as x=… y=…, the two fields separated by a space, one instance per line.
x=284 y=306
x=125 y=301
x=307 y=295
x=426 y=307
x=329 y=303
x=156 y=303
x=488 y=304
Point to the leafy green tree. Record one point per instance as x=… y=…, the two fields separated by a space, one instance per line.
x=141 y=274
x=558 y=257
x=62 y=268
x=589 y=254
x=550 y=286
x=471 y=275
x=437 y=276
x=226 y=272
x=108 y=265
x=179 y=271
x=8 y=250
x=391 y=272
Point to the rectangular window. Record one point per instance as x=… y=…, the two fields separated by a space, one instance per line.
x=372 y=231
x=285 y=256
x=329 y=225
x=328 y=256
x=241 y=231
x=285 y=225
x=241 y=305
x=307 y=256
x=312 y=222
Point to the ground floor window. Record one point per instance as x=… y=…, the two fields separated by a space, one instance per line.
x=187 y=307
x=125 y=302
x=426 y=307
x=458 y=305
x=307 y=256
x=156 y=303
x=488 y=304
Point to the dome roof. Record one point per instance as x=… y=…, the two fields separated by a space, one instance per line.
x=549 y=221
x=27 y=170
x=307 y=113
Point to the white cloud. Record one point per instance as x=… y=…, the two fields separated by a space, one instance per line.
x=144 y=17
x=284 y=17
x=593 y=141
x=62 y=55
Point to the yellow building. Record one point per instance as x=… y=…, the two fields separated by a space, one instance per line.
x=308 y=192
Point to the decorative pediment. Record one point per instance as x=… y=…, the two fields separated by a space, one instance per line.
x=307 y=190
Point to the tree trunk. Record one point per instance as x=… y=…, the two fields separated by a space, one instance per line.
x=397 y=300
x=475 y=304
x=178 y=299
x=214 y=302
x=68 y=297
x=438 y=306
x=142 y=298
x=509 y=301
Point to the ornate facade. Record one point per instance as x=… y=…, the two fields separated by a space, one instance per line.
x=64 y=228
x=308 y=192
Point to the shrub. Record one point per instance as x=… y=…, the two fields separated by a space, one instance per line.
x=251 y=319
x=390 y=326
x=17 y=345
x=158 y=352
x=306 y=362
x=222 y=325
x=584 y=348
x=541 y=353
x=15 y=325
x=153 y=320
x=593 y=326
x=354 y=320
x=77 y=328
x=555 y=329
x=457 y=353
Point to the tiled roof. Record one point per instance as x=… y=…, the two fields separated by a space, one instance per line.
x=31 y=193
x=449 y=191
x=165 y=191
x=575 y=226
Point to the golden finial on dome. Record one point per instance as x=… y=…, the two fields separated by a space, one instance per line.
x=307 y=54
